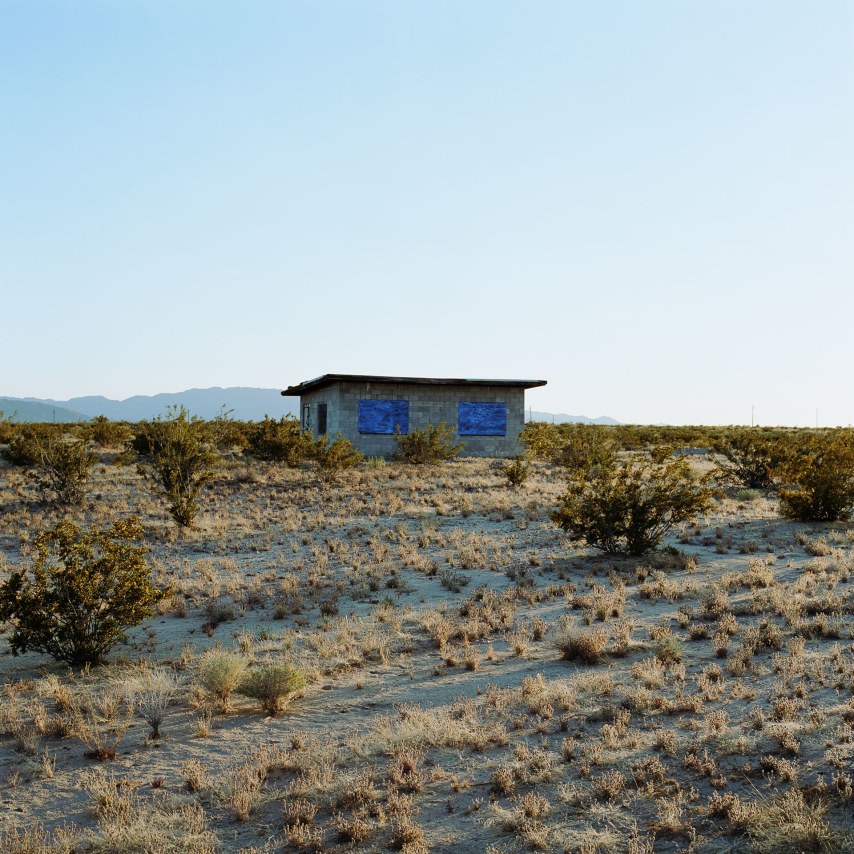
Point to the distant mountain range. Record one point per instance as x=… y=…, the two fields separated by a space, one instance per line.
x=563 y=418
x=244 y=404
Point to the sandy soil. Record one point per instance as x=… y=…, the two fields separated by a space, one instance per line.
x=427 y=610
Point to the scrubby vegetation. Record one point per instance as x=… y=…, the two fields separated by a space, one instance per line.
x=750 y=457
x=817 y=474
x=64 y=469
x=179 y=459
x=333 y=458
x=428 y=445
x=108 y=434
x=83 y=590
x=419 y=658
x=628 y=506
x=281 y=441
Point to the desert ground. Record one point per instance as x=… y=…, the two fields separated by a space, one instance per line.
x=475 y=682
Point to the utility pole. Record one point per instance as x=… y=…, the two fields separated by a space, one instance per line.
x=816 y=418
x=752 y=408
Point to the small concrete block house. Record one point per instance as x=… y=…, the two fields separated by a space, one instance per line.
x=487 y=415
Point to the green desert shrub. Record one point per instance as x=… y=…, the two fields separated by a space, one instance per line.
x=26 y=443
x=8 y=428
x=106 y=433
x=627 y=506
x=272 y=685
x=64 y=470
x=816 y=479
x=583 y=446
x=750 y=456
x=180 y=460
x=61 y=463
x=540 y=440
x=516 y=471
x=334 y=458
x=572 y=445
x=220 y=672
x=83 y=590
x=279 y=441
x=224 y=433
x=144 y=440
x=428 y=445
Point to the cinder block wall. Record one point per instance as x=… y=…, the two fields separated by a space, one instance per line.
x=427 y=405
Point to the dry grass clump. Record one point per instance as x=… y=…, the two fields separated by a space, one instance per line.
x=353 y=829
x=661 y=586
x=601 y=603
x=587 y=646
x=299 y=825
x=608 y=786
x=101 y=724
x=525 y=820
x=129 y=822
x=34 y=839
x=350 y=642
x=241 y=786
x=195 y=776
x=458 y=725
x=150 y=690
x=792 y=823
x=404 y=772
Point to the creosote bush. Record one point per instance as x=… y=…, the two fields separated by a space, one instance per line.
x=516 y=471
x=8 y=428
x=282 y=441
x=750 y=456
x=584 y=446
x=62 y=464
x=180 y=460
x=573 y=446
x=817 y=476
x=106 y=433
x=64 y=469
x=427 y=446
x=84 y=589
x=25 y=442
x=628 y=506
x=334 y=458
x=540 y=440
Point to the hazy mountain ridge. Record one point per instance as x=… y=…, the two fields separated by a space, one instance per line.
x=20 y=410
x=563 y=418
x=243 y=403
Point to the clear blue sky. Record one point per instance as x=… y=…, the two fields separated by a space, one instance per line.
x=648 y=204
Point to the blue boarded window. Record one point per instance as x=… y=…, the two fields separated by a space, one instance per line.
x=483 y=419
x=383 y=416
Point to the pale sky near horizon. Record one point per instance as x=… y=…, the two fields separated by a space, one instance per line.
x=647 y=203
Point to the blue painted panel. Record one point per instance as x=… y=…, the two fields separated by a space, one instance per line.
x=383 y=416
x=483 y=419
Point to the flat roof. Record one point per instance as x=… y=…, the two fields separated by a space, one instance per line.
x=329 y=379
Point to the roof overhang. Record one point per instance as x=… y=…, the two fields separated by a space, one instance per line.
x=329 y=379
